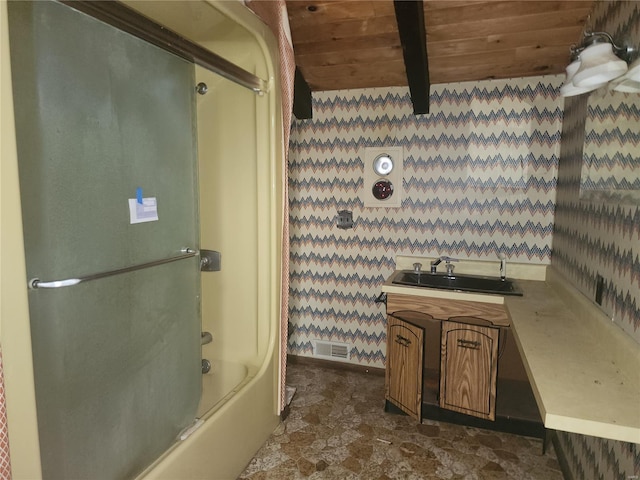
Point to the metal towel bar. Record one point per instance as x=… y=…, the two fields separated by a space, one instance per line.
x=35 y=283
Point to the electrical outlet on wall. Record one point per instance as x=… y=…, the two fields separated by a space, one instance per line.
x=345 y=219
x=599 y=288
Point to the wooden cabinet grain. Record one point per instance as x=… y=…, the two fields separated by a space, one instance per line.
x=463 y=387
x=469 y=359
x=403 y=376
x=459 y=369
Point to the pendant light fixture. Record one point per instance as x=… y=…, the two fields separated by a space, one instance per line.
x=634 y=71
x=630 y=81
x=595 y=62
x=627 y=86
x=568 y=89
x=598 y=65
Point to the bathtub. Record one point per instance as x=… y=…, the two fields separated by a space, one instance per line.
x=235 y=425
x=223 y=380
x=240 y=216
x=240 y=161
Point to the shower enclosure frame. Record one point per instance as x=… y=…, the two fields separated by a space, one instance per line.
x=232 y=433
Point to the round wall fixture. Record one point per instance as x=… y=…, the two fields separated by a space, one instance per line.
x=382 y=178
x=382 y=189
x=383 y=164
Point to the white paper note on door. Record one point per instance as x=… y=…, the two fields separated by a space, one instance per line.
x=147 y=211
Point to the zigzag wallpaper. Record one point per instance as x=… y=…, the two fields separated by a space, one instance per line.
x=480 y=177
x=599 y=238
x=479 y=180
x=593 y=238
x=611 y=143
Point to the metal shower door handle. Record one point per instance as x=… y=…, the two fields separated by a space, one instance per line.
x=36 y=283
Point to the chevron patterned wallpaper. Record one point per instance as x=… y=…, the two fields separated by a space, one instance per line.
x=591 y=238
x=612 y=141
x=479 y=179
x=598 y=238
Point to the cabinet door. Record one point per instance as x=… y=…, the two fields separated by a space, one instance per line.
x=403 y=381
x=468 y=366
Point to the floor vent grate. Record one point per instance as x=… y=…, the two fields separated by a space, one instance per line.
x=331 y=349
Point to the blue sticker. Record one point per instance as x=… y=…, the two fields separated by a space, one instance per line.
x=139 y=195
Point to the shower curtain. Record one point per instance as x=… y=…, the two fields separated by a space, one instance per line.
x=5 y=460
x=274 y=14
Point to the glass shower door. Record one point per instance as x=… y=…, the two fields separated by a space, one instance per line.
x=107 y=159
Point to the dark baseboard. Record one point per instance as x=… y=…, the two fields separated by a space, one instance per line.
x=501 y=423
x=319 y=362
x=285 y=413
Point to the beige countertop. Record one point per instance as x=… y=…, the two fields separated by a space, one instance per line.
x=389 y=287
x=583 y=369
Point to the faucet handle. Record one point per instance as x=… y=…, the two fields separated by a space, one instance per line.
x=450 y=268
x=503 y=266
x=416 y=267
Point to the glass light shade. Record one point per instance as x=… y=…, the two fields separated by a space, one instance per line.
x=568 y=89
x=627 y=86
x=598 y=65
x=633 y=73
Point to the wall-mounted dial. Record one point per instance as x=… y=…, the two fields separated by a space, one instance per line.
x=382 y=183
x=383 y=164
x=382 y=189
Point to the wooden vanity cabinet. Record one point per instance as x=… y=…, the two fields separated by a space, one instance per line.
x=458 y=370
x=403 y=375
x=462 y=362
x=468 y=368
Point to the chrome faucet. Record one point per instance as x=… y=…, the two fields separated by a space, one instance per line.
x=434 y=264
x=450 y=267
x=503 y=266
x=448 y=260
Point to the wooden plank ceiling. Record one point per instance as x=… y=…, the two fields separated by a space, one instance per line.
x=345 y=44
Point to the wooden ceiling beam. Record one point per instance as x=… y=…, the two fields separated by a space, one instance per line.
x=413 y=36
x=348 y=44
x=302 y=101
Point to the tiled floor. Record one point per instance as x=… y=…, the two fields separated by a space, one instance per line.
x=337 y=429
